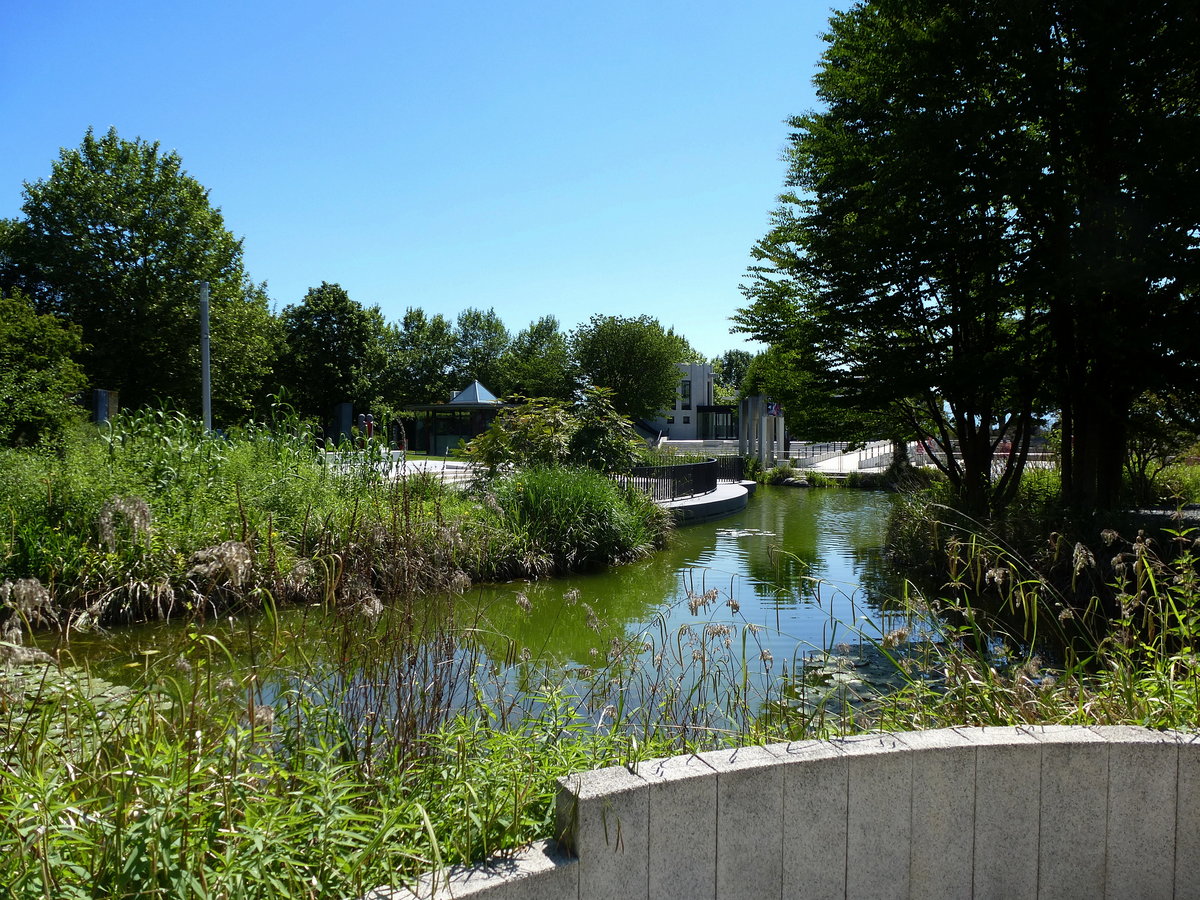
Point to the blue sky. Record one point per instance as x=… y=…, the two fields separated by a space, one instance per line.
x=564 y=158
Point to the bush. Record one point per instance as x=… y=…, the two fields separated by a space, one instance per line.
x=777 y=475
x=544 y=432
x=568 y=519
x=868 y=481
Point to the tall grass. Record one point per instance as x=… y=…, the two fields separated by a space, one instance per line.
x=341 y=747
x=563 y=520
x=246 y=762
x=1074 y=634
x=153 y=517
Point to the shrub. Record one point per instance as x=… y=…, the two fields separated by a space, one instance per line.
x=544 y=432
x=777 y=475
x=576 y=519
x=867 y=481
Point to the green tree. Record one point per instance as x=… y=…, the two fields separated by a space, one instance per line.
x=538 y=362
x=334 y=351
x=116 y=240
x=729 y=370
x=1160 y=428
x=635 y=358
x=545 y=432
x=995 y=198
x=419 y=365
x=480 y=340
x=1111 y=212
x=39 y=377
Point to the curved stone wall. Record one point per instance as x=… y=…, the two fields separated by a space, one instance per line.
x=1035 y=811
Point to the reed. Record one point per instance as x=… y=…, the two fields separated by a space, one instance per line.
x=153 y=518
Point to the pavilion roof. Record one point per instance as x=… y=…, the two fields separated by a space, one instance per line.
x=475 y=393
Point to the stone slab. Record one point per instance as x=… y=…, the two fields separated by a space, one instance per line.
x=943 y=813
x=1187 y=820
x=878 y=816
x=814 y=810
x=683 y=827
x=749 y=822
x=1074 y=812
x=540 y=872
x=603 y=817
x=1143 y=771
x=1007 y=794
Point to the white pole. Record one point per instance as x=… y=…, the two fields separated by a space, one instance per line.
x=205 y=376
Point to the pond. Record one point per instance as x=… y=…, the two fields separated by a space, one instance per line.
x=805 y=566
x=744 y=600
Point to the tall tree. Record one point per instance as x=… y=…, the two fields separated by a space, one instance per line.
x=538 y=362
x=635 y=358
x=990 y=195
x=1112 y=209
x=39 y=377
x=116 y=240
x=334 y=351
x=729 y=370
x=480 y=340
x=420 y=359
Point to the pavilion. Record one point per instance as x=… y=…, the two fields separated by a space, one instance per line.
x=443 y=425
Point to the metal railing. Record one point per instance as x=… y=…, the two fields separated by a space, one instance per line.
x=665 y=483
x=730 y=468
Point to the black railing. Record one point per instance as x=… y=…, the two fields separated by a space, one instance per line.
x=686 y=479
x=730 y=468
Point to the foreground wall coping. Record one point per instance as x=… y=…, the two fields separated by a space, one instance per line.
x=1025 y=811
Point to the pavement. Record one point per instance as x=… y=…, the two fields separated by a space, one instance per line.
x=851 y=462
x=728 y=498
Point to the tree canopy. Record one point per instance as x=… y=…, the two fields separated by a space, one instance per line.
x=116 y=240
x=39 y=377
x=729 y=370
x=480 y=340
x=334 y=351
x=635 y=358
x=994 y=212
x=419 y=364
x=538 y=362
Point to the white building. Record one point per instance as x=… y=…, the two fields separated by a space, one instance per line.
x=693 y=401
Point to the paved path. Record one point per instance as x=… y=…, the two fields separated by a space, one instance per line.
x=850 y=462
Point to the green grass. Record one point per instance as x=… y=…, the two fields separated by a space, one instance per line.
x=563 y=520
x=153 y=517
x=179 y=791
x=362 y=743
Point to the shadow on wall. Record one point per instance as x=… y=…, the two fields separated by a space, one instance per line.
x=1055 y=811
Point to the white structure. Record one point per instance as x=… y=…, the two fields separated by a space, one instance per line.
x=761 y=430
x=1043 y=811
x=695 y=390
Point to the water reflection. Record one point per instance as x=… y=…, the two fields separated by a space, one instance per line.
x=804 y=565
x=797 y=571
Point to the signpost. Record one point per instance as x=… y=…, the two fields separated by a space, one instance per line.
x=205 y=376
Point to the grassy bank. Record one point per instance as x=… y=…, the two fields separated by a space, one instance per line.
x=326 y=752
x=352 y=743
x=153 y=518
x=324 y=755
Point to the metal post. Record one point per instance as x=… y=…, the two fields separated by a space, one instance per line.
x=205 y=376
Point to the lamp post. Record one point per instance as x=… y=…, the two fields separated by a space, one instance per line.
x=205 y=376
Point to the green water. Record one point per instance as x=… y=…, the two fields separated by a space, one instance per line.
x=804 y=565
x=798 y=570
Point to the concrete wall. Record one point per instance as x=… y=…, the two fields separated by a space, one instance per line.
x=1038 y=812
x=700 y=378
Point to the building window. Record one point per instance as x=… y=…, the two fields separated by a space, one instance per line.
x=670 y=420
x=687 y=420
x=685 y=394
